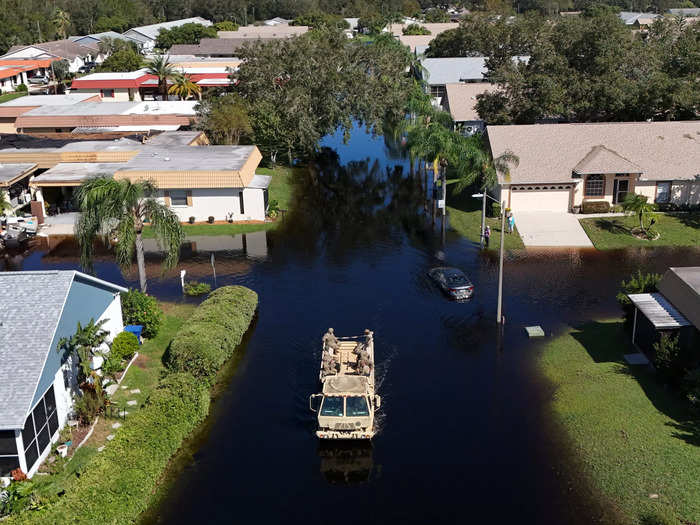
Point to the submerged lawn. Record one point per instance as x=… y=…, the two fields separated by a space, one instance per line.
x=634 y=437
x=682 y=229
x=465 y=219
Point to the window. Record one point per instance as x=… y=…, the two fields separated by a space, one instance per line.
x=178 y=198
x=9 y=460
x=663 y=192
x=40 y=425
x=332 y=406
x=595 y=186
x=357 y=406
x=240 y=202
x=107 y=93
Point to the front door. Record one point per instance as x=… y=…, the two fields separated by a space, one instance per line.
x=620 y=189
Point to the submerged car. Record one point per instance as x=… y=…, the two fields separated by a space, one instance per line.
x=453 y=282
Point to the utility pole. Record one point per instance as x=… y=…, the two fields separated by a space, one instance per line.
x=443 y=180
x=500 y=265
x=483 y=217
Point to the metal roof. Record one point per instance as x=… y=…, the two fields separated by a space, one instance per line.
x=260 y=181
x=74 y=173
x=658 y=310
x=151 y=31
x=442 y=71
x=47 y=100
x=31 y=306
x=345 y=384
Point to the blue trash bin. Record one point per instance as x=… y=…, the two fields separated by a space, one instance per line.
x=135 y=329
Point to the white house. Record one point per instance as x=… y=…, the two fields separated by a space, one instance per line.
x=37 y=381
x=146 y=36
x=77 y=55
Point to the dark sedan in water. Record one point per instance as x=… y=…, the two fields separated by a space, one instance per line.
x=453 y=282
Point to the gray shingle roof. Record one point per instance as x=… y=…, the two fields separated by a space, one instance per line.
x=441 y=71
x=30 y=308
x=151 y=31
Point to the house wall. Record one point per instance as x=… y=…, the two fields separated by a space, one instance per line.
x=7 y=125
x=685 y=192
x=120 y=94
x=219 y=202
x=646 y=188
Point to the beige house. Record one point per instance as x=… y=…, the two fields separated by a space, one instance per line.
x=563 y=165
x=460 y=101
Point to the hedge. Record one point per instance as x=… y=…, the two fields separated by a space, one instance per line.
x=118 y=484
x=216 y=328
x=595 y=207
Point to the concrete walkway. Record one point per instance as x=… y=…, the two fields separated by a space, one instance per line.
x=551 y=228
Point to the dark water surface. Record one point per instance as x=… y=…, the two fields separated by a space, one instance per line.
x=463 y=432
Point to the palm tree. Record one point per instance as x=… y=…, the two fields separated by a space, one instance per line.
x=161 y=67
x=482 y=166
x=638 y=204
x=184 y=88
x=121 y=207
x=61 y=21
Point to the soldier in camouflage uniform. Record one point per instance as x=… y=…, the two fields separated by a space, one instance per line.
x=329 y=363
x=330 y=340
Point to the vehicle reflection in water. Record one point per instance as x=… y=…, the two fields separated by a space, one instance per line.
x=346 y=463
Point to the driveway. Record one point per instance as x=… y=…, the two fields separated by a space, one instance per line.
x=550 y=228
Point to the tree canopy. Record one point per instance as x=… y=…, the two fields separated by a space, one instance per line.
x=184 y=34
x=125 y=59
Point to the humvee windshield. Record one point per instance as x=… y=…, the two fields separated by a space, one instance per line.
x=332 y=406
x=357 y=406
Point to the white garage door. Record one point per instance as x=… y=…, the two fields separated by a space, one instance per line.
x=524 y=198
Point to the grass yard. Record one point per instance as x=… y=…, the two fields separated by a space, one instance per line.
x=10 y=96
x=682 y=229
x=465 y=219
x=635 y=439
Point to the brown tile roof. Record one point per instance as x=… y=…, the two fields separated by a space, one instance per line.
x=461 y=98
x=551 y=152
x=603 y=160
x=278 y=31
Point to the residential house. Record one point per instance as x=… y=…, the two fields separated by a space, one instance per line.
x=264 y=32
x=38 y=386
x=96 y=117
x=214 y=47
x=674 y=309
x=687 y=12
x=13 y=184
x=10 y=110
x=139 y=85
x=435 y=28
x=146 y=36
x=77 y=55
x=562 y=165
x=195 y=179
x=277 y=21
x=14 y=72
x=461 y=101
x=94 y=39
x=442 y=71
x=638 y=20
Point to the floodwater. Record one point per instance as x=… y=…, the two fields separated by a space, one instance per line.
x=464 y=435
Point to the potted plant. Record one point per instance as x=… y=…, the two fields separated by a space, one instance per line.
x=576 y=209
x=210 y=220
x=191 y=220
x=62 y=450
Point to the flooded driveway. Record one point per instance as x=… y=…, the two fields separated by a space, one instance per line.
x=463 y=437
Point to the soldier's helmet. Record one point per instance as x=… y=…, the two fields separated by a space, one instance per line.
x=330 y=330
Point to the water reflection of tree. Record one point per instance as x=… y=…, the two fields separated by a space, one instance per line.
x=354 y=206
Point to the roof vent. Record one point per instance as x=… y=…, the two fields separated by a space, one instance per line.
x=166 y=159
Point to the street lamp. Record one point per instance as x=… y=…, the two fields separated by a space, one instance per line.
x=499 y=309
x=483 y=196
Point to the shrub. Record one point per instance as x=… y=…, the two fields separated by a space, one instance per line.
x=670 y=362
x=191 y=220
x=124 y=346
x=638 y=283
x=139 y=308
x=495 y=209
x=89 y=404
x=595 y=207
x=195 y=288
x=120 y=481
x=226 y=25
x=415 y=29
x=691 y=386
x=213 y=332
x=21 y=88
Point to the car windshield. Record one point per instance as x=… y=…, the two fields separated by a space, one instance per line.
x=357 y=406
x=332 y=406
x=457 y=279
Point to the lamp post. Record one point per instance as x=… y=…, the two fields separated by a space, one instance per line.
x=483 y=197
x=500 y=266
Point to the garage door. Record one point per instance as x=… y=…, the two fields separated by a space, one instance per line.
x=537 y=198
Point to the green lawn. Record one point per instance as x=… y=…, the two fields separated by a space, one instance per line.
x=465 y=218
x=10 y=96
x=681 y=229
x=281 y=186
x=634 y=437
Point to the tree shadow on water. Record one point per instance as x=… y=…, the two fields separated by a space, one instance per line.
x=607 y=343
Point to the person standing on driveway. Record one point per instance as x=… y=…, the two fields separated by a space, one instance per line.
x=487 y=235
x=511 y=222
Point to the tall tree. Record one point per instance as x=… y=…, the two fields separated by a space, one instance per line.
x=224 y=119
x=61 y=21
x=161 y=67
x=121 y=207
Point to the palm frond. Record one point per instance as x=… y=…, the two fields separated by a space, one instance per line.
x=167 y=228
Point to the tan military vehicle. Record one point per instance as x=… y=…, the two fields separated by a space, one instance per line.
x=347 y=402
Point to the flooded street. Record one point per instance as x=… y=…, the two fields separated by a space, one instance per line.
x=463 y=435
